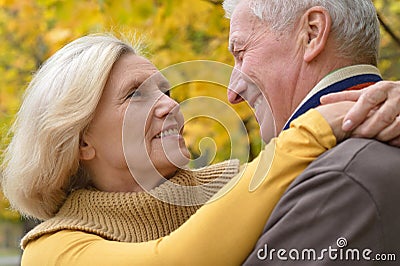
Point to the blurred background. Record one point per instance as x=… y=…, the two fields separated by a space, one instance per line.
x=173 y=31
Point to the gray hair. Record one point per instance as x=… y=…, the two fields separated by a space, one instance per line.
x=355 y=25
x=41 y=163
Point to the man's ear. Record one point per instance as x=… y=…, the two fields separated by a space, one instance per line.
x=86 y=150
x=317 y=24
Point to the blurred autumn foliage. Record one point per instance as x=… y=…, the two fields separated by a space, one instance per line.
x=173 y=30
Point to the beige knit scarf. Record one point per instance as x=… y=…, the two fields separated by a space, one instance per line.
x=137 y=217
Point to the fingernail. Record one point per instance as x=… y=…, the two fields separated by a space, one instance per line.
x=347 y=125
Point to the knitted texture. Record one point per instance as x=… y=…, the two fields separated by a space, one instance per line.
x=138 y=217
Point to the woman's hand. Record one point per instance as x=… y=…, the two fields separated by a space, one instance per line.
x=334 y=114
x=375 y=113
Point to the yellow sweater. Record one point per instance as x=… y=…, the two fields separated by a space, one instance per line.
x=138 y=216
x=223 y=231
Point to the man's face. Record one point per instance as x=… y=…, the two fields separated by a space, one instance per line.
x=265 y=68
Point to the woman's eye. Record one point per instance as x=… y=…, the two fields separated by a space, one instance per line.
x=133 y=94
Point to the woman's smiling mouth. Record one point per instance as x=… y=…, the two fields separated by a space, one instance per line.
x=168 y=132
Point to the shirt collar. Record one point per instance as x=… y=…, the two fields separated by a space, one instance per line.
x=347 y=78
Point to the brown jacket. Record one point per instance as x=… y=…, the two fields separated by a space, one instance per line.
x=344 y=206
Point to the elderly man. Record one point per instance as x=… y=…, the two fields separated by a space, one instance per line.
x=287 y=55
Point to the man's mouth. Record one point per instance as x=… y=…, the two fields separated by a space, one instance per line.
x=167 y=132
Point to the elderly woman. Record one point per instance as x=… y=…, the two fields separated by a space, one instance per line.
x=66 y=165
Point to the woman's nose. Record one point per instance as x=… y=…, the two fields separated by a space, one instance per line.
x=165 y=105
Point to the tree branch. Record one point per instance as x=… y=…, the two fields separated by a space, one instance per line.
x=388 y=29
x=215 y=2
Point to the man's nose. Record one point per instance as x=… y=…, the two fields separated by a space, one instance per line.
x=237 y=87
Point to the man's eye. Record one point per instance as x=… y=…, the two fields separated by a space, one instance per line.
x=239 y=54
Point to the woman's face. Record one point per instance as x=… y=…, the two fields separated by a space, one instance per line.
x=136 y=129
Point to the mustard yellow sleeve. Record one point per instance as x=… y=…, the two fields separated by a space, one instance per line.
x=223 y=231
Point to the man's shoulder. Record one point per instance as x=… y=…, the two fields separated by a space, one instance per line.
x=350 y=191
x=370 y=165
x=363 y=160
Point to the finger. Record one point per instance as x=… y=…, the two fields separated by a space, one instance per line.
x=340 y=96
x=365 y=130
x=391 y=132
x=382 y=121
x=370 y=99
x=395 y=142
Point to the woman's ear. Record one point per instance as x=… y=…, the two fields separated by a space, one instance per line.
x=317 y=26
x=86 y=150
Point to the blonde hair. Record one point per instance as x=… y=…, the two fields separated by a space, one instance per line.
x=41 y=163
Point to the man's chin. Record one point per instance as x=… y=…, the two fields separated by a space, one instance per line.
x=267 y=132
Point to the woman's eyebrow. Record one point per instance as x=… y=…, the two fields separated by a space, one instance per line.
x=128 y=84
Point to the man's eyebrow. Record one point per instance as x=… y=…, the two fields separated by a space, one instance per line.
x=230 y=46
x=234 y=42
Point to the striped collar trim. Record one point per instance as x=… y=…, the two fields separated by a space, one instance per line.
x=355 y=77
